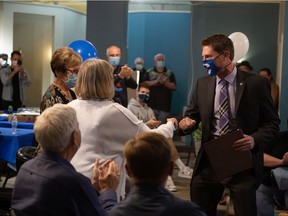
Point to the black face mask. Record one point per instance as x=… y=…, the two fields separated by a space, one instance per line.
x=143 y=97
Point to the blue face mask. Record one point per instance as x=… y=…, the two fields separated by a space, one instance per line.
x=160 y=64
x=114 y=61
x=139 y=66
x=212 y=69
x=70 y=83
x=4 y=63
x=143 y=97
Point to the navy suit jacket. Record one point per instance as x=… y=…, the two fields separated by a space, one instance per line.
x=50 y=185
x=254 y=110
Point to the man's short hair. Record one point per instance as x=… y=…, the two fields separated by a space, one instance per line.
x=159 y=54
x=143 y=85
x=54 y=127
x=245 y=63
x=220 y=43
x=138 y=59
x=113 y=46
x=267 y=70
x=148 y=157
x=15 y=52
x=4 y=56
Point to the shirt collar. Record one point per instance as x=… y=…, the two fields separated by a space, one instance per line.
x=230 y=78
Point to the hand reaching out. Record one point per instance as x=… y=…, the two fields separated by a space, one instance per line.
x=186 y=123
x=153 y=123
x=174 y=121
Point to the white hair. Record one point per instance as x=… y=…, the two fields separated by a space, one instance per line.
x=113 y=46
x=54 y=127
x=159 y=54
x=138 y=59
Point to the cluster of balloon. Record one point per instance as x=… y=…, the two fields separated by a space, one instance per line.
x=84 y=48
x=241 y=45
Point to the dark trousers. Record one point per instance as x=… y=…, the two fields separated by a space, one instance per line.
x=14 y=104
x=207 y=191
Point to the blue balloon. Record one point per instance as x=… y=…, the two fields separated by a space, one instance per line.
x=84 y=48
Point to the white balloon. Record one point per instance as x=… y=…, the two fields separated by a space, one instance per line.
x=241 y=45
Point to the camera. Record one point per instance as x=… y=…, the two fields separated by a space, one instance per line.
x=19 y=62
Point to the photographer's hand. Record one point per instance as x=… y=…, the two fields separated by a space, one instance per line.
x=13 y=73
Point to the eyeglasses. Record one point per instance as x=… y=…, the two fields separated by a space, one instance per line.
x=75 y=71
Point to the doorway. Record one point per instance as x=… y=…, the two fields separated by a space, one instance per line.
x=32 y=35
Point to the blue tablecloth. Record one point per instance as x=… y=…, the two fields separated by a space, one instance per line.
x=25 y=125
x=10 y=143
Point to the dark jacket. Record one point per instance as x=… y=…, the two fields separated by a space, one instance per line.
x=120 y=86
x=254 y=110
x=50 y=185
x=154 y=200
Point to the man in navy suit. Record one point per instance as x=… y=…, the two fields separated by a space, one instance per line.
x=250 y=108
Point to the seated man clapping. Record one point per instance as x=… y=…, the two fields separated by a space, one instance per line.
x=50 y=185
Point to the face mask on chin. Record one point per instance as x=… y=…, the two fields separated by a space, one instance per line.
x=212 y=69
x=139 y=66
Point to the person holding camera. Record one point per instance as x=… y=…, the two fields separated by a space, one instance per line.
x=3 y=60
x=14 y=78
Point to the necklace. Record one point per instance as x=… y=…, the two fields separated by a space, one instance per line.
x=66 y=93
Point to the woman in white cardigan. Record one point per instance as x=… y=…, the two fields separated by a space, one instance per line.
x=105 y=126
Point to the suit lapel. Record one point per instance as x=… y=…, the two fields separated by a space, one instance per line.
x=240 y=84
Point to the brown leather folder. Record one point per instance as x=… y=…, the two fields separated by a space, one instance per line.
x=224 y=160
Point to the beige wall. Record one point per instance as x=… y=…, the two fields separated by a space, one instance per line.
x=38 y=30
x=33 y=36
x=132 y=92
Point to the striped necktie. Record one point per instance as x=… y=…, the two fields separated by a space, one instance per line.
x=223 y=108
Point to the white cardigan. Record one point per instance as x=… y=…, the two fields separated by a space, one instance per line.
x=105 y=127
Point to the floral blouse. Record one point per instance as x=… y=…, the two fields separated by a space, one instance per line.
x=55 y=95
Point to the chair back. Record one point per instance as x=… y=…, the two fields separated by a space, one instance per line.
x=24 y=154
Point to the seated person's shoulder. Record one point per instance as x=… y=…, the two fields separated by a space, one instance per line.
x=183 y=208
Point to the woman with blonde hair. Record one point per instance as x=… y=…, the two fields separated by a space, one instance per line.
x=105 y=125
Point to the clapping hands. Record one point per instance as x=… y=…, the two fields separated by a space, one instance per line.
x=125 y=72
x=105 y=176
x=285 y=158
